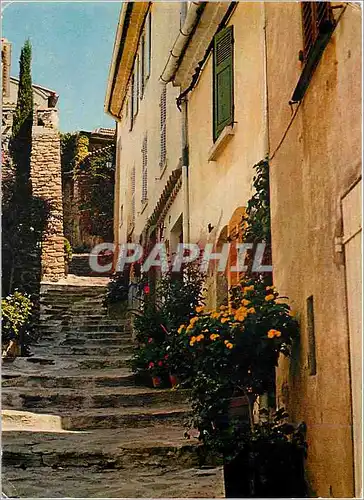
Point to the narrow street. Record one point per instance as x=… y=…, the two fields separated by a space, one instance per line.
x=75 y=424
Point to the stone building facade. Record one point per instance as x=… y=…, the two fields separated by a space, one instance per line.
x=45 y=161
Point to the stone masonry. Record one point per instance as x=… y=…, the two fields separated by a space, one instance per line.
x=47 y=184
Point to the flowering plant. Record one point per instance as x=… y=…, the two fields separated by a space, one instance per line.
x=234 y=350
x=245 y=339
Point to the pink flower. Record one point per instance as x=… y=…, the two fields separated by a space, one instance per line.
x=146 y=289
x=160 y=363
x=151 y=364
x=150 y=340
x=166 y=356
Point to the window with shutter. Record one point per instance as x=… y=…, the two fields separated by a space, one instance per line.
x=223 y=88
x=316 y=20
x=145 y=170
x=163 y=126
x=318 y=24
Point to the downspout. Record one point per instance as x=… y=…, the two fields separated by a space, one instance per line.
x=181 y=41
x=167 y=75
x=265 y=80
x=185 y=180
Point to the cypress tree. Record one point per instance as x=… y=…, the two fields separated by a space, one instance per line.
x=21 y=140
x=24 y=106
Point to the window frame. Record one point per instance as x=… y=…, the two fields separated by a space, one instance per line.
x=216 y=132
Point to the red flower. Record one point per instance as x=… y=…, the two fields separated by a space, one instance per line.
x=150 y=340
x=151 y=364
x=166 y=356
x=146 y=289
x=160 y=363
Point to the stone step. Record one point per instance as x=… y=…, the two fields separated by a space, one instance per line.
x=113 y=418
x=82 y=350
x=73 y=362
x=96 y=328
x=100 y=340
x=156 y=446
x=107 y=481
x=93 y=379
x=119 y=397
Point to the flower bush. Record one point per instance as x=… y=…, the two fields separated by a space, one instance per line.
x=234 y=350
x=16 y=315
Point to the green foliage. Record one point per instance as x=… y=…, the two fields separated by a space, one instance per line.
x=16 y=312
x=68 y=151
x=24 y=106
x=257 y=220
x=175 y=300
x=117 y=289
x=81 y=148
x=67 y=250
x=98 y=201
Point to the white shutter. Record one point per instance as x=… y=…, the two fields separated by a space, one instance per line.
x=145 y=169
x=133 y=195
x=163 y=126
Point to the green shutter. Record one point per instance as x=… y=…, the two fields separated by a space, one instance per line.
x=223 y=92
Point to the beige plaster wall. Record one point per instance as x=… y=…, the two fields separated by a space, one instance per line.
x=218 y=187
x=318 y=161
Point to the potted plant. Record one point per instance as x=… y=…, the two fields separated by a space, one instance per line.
x=16 y=311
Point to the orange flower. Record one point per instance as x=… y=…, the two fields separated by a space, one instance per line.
x=200 y=337
x=192 y=341
x=269 y=297
x=245 y=302
x=248 y=288
x=223 y=308
x=180 y=329
x=214 y=336
x=199 y=309
x=274 y=333
x=224 y=320
x=251 y=310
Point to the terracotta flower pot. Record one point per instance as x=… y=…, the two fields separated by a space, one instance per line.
x=157 y=381
x=173 y=380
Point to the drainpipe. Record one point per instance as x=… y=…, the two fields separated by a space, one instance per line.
x=181 y=41
x=185 y=165
x=265 y=80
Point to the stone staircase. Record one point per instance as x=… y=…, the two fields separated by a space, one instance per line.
x=75 y=423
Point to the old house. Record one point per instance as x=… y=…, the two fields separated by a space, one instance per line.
x=149 y=194
x=45 y=160
x=201 y=92
x=314 y=88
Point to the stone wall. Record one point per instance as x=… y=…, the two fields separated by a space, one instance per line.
x=47 y=184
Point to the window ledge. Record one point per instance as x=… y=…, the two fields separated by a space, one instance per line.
x=221 y=143
x=163 y=169
x=144 y=206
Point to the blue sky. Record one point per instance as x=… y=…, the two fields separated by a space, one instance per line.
x=72 y=45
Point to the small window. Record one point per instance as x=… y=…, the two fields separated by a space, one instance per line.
x=145 y=170
x=316 y=20
x=163 y=126
x=223 y=91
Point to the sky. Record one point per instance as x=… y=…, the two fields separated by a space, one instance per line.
x=72 y=44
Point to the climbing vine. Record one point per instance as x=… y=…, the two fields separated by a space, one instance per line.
x=257 y=218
